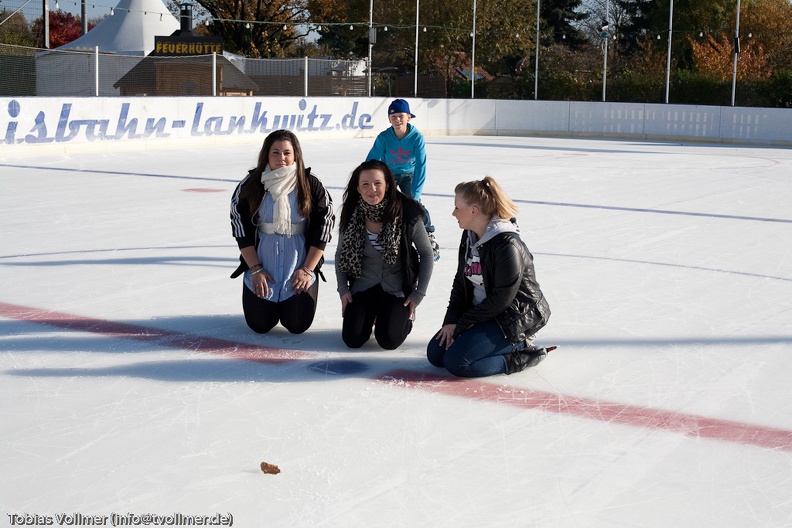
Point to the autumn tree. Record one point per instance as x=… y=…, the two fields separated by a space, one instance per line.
x=505 y=32
x=765 y=43
x=768 y=23
x=650 y=18
x=264 y=28
x=63 y=28
x=714 y=56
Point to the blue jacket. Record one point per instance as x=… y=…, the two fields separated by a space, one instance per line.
x=403 y=156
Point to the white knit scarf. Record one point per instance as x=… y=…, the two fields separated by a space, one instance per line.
x=279 y=183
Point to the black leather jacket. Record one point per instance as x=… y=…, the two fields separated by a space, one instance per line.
x=514 y=299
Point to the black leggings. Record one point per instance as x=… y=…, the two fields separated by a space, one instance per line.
x=393 y=323
x=296 y=313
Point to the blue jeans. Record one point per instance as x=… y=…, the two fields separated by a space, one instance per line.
x=404 y=182
x=477 y=352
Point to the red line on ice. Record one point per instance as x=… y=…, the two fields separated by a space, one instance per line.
x=165 y=338
x=631 y=415
x=619 y=413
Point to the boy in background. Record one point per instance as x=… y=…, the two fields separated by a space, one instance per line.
x=402 y=148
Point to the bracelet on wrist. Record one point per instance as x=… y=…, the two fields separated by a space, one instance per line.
x=258 y=268
x=308 y=271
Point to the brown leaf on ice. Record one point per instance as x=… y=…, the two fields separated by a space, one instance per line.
x=269 y=469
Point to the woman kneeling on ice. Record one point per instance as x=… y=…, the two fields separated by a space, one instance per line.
x=384 y=259
x=496 y=305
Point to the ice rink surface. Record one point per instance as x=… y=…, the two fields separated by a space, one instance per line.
x=131 y=384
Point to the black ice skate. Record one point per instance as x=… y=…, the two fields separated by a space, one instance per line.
x=530 y=357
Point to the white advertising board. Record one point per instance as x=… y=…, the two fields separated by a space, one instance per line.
x=34 y=124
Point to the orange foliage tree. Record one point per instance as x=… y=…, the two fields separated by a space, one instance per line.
x=715 y=57
x=769 y=23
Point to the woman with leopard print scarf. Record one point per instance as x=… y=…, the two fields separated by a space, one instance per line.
x=384 y=258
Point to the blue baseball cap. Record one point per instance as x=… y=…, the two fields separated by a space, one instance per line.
x=399 y=106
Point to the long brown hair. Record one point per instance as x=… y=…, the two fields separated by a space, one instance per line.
x=488 y=196
x=352 y=196
x=253 y=192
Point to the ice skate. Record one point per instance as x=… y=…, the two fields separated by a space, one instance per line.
x=435 y=245
x=526 y=358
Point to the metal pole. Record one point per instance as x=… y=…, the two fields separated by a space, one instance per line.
x=214 y=73
x=736 y=53
x=305 y=77
x=417 y=8
x=96 y=68
x=473 y=57
x=536 y=61
x=605 y=70
x=84 y=14
x=45 y=8
x=371 y=44
x=606 y=36
x=668 y=55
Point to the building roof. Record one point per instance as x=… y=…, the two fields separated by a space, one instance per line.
x=130 y=30
x=143 y=77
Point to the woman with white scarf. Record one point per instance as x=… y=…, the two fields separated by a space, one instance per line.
x=282 y=219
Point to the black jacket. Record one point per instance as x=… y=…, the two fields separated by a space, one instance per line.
x=411 y=214
x=514 y=299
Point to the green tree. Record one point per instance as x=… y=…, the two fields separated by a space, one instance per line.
x=344 y=31
x=15 y=29
x=445 y=42
x=563 y=18
x=639 y=21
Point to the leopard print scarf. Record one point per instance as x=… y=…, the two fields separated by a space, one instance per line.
x=354 y=238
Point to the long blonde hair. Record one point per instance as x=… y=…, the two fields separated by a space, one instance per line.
x=488 y=196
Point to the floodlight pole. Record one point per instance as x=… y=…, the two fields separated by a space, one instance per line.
x=473 y=57
x=371 y=43
x=45 y=8
x=668 y=55
x=736 y=53
x=417 y=10
x=536 y=61
x=606 y=38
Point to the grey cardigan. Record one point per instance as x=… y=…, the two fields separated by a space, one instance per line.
x=375 y=271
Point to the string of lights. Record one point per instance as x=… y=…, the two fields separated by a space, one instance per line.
x=383 y=26
x=111 y=11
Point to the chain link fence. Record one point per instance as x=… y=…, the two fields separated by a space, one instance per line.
x=39 y=72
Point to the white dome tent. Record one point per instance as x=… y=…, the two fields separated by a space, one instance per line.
x=128 y=31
